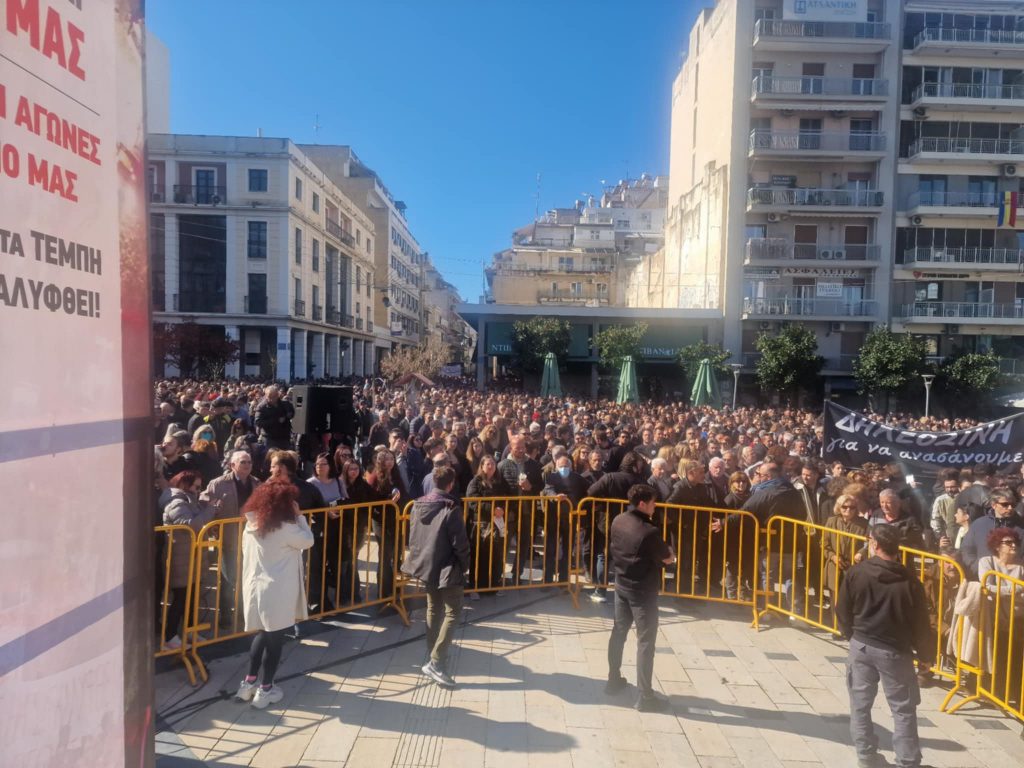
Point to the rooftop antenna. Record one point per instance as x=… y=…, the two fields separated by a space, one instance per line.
x=316 y=124
x=536 y=199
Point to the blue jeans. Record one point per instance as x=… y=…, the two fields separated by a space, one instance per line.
x=781 y=569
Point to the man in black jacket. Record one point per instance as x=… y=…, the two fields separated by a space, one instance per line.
x=569 y=488
x=439 y=558
x=612 y=485
x=690 y=490
x=638 y=554
x=882 y=611
x=273 y=418
x=525 y=477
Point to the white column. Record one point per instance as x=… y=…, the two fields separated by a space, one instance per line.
x=333 y=355
x=284 y=353
x=231 y=369
x=235 y=280
x=170 y=261
x=369 y=358
x=319 y=363
x=301 y=366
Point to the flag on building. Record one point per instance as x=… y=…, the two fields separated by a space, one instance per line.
x=1008 y=210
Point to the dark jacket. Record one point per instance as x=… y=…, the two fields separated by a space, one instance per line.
x=881 y=604
x=775 y=498
x=573 y=486
x=612 y=485
x=689 y=494
x=274 y=420
x=531 y=467
x=975 y=542
x=438 y=544
x=663 y=486
x=638 y=553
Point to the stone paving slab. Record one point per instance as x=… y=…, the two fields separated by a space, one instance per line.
x=531 y=672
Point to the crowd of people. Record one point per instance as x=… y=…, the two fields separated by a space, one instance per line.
x=218 y=441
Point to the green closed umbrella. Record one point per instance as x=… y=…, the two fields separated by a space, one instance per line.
x=550 y=385
x=705 y=387
x=628 y=391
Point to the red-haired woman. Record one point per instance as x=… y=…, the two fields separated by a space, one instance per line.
x=273 y=582
x=181 y=506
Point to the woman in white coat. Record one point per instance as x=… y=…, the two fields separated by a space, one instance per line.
x=273 y=582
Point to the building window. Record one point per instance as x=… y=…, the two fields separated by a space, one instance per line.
x=298 y=245
x=565 y=263
x=256 y=299
x=359 y=236
x=257 y=179
x=316 y=255
x=602 y=289
x=316 y=203
x=369 y=245
x=576 y=289
x=298 y=292
x=595 y=234
x=359 y=278
x=359 y=308
x=298 y=189
x=257 y=242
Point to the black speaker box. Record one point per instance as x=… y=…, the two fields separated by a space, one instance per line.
x=323 y=409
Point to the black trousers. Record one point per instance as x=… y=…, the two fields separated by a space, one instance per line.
x=642 y=609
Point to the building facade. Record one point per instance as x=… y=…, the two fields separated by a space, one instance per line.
x=840 y=165
x=250 y=237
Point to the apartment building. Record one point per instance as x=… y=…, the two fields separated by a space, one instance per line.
x=440 y=318
x=581 y=256
x=397 y=258
x=840 y=165
x=250 y=237
x=959 y=276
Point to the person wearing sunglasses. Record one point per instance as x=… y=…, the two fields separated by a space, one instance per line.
x=974 y=547
x=1008 y=651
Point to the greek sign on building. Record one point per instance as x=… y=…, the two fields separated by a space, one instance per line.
x=853 y=439
x=825 y=10
x=76 y=440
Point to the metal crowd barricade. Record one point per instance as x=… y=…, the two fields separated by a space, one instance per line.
x=593 y=560
x=509 y=536
x=941 y=577
x=178 y=550
x=999 y=626
x=797 y=573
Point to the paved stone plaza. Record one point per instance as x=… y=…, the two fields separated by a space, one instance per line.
x=531 y=671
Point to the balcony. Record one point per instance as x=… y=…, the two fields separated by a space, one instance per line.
x=968 y=96
x=800 y=91
x=347 y=321
x=300 y=308
x=157 y=196
x=824 y=36
x=838 y=364
x=577 y=298
x=333 y=316
x=972 y=150
x=986 y=259
x=807 y=145
x=969 y=42
x=969 y=204
x=805 y=200
x=334 y=230
x=185 y=194
x=255 y=305
x=318 y=313
x=369 y=326
x=764 y=249
x=962 y=312
x=359 y=323
x=810 y=308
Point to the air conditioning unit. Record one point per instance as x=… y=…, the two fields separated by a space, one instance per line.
x=916 y=221
x=1009 y=169
x=774 y=218
x=836 y=327
x=825 y=255
x=952 y=329
x=764 y=326
x=920 y=112
x=215 y=199
x=839 y=254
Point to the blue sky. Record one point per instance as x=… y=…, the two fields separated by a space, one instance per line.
x=457 y=104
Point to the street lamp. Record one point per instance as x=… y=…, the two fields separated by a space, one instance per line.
x=736 y=368
x=928 y=379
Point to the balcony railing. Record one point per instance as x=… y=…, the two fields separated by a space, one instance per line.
x=810 y=29
x=348 y=321
x=255 y=305
x=156 y=195
x=973 y=36
x=333 y=317
x=945 y=311
x=810 y=307
x=300 y=308
x=369 y=326
x=1011 y=366
x=335 y=230
x=318 y=312
x=837 y=363
x=967 y=91
x=954 y=199
x=812 y=85
x=784 y=196
x=967 y=146
x=192 y=195
x=795 y=141
x=359 y=323
x=1010 y=257
x=571 y=297
x=781 y=248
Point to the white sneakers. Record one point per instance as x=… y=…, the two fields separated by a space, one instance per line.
x=259 y=696
x=173 y=644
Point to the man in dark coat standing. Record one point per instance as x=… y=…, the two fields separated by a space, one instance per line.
x=569 y=488
x=612 y=485
x=439 y=558
x=638 y=554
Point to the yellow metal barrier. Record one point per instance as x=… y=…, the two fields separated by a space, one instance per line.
x=510 y=533
x=176 y=618
x=593 y=560
x=999 y=674
x=941 y=577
